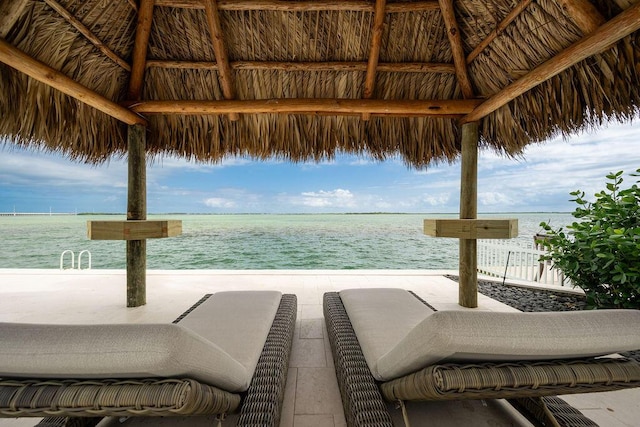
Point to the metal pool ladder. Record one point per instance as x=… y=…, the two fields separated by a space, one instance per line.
x=73 y=259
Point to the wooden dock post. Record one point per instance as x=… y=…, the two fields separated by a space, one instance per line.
x=468 y=286
x=136 y=210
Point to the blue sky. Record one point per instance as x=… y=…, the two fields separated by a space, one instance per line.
x=540 y=181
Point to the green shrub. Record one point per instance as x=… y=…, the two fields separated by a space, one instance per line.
x=600 y=251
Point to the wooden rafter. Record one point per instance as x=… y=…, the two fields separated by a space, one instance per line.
x=374 y=51
x=41 y=72
x=459 y=61
x=143 y=30
x=621 y=26
x=53 y=4
x=9 y=14
x=133 y=4
x=511 y=16
x=304 y=6
x=220 y=50
x=311 y=106
x=624 y=4
x=391 y=67
x=584 y=14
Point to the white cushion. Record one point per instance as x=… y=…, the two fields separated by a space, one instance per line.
x=475 y=336
x=238 y=322
x=381 y=317
x=218 y=343
x=115 y=351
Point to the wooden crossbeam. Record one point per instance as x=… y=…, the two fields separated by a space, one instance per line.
x=415 y=108
x=511 y=16
x=9 y=14
x=220 y=50
x=374 y=51
x=143 y=30
x=304 y=6
x=87 y=33
x=621 y=26
x=41 y=72
x=391 y=67
x=584 y=14
x=459 y=61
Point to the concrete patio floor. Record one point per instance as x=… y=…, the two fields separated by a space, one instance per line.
x=312 y=397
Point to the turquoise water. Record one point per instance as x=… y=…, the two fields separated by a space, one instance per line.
x=322 y=241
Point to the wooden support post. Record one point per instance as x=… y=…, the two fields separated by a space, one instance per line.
x=468 y=291
x=136 y=210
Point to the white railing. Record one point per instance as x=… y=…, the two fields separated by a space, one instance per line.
x=73 y=259
x=504 y=259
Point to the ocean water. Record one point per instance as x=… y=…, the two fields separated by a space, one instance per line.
x=320 y=241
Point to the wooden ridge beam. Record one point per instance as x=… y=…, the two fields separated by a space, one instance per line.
x=391 y=67
x=220 y=50
x=143 y=30
x=584 y=14
x=511 y=16
x=342 y=106
x=304 y=6
x=374 y=51
x=459 y=60
x=612 y=31
x=87 y=33
x=9 y=14
x=41 y=72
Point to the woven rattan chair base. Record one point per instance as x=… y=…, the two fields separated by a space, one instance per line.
x=479 y=381
x=59 y=399
x=262 y=404
x=69 y=422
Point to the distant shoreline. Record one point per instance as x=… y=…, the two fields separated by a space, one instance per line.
x=38 y=214
x=5 y=214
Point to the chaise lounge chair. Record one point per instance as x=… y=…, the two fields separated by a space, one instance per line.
x=389 y=343
x=228 y=352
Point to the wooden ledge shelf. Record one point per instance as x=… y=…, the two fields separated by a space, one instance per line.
x=133 y=229
x=472 y=228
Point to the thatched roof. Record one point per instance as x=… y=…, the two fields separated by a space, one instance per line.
x=336 y=74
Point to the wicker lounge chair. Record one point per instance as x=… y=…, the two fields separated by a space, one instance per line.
x=453 y=369
x=205 y=385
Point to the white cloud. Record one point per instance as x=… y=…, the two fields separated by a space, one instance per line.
x=218 y=202
x=436 y=200
x=495 y=199
x=338 y=198
x=22 y=168
x=171 y=163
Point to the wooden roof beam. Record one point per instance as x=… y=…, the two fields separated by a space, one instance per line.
x=624 y=4
x=584 y=14
x=459 y=61
x=224 y=69
x=374 y=52
x=391 y=67
x=88 y=34
x=143 y=30
x=304 y=6
x=41 y=72
x=9 y=14
x=511 y=16
x=342 y=106
x=598 y=41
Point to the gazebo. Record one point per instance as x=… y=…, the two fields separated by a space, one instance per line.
x=426 y=80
